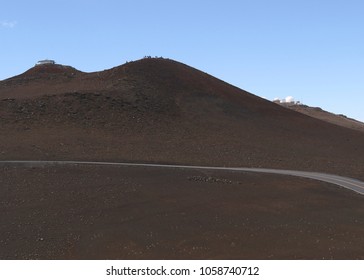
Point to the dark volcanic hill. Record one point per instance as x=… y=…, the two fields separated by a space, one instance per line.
x=321 y=114
x=159 y=110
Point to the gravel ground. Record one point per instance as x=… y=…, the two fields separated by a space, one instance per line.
x=84 y=212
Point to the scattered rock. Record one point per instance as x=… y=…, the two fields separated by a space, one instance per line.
x=209 y=179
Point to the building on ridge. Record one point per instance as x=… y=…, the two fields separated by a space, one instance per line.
x=45 y=61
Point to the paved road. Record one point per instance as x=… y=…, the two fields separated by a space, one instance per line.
x=349 y=183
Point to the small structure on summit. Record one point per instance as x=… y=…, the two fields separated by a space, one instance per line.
x=289 y=100
x=45 y=61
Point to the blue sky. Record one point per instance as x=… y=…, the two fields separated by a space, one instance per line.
x=311 y=50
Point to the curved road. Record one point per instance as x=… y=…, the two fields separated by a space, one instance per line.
x=349 y=183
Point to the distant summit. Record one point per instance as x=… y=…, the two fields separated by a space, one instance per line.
x=318 y=113
x=44 y=70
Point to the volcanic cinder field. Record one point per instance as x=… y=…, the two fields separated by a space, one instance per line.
x=162 y=111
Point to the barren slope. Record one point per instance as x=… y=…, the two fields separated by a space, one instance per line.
x=103 y=212
x=156 y=110
x=163 y=111
x=320 y=114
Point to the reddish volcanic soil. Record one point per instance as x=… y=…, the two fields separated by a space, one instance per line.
x=84 y=212
x=320 y=114
x=159 y=110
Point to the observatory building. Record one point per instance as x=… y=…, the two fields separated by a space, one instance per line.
x=46 y=61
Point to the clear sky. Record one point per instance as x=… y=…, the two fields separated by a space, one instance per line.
x=312 y=50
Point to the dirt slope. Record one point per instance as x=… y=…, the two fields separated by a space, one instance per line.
x=321 y=114
x=88 y=212
x=163 y=111
x=157 y=110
